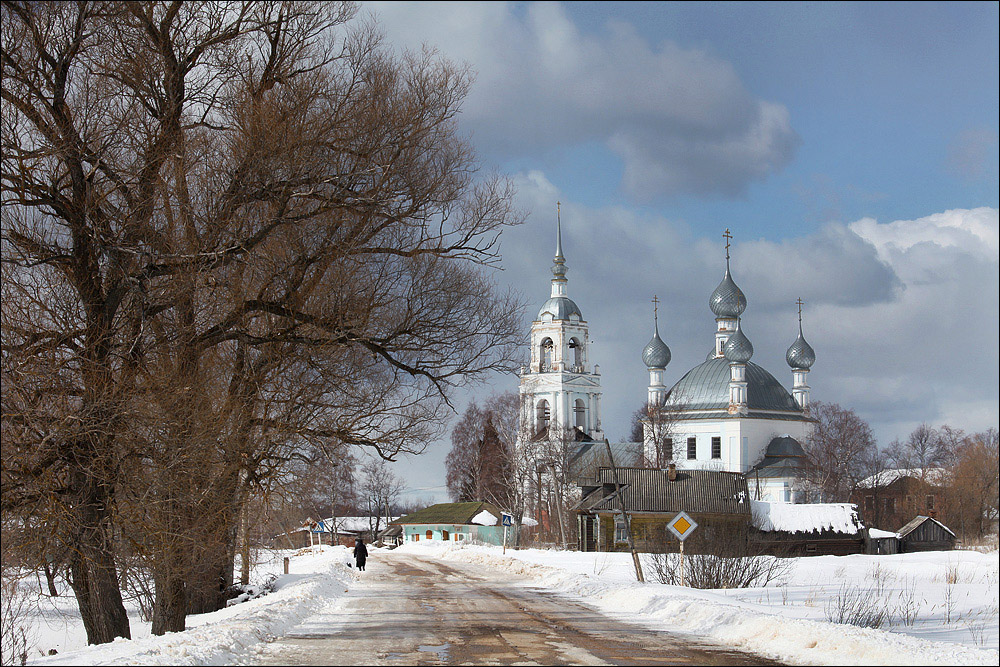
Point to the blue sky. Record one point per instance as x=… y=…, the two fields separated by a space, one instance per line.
x=851 y=148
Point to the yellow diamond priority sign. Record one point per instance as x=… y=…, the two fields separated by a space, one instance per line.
x=682 y=526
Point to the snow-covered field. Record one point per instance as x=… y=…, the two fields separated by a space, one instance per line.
x=318 y=577
x=942 y=606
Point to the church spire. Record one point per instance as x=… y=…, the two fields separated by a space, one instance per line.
x=559 y=262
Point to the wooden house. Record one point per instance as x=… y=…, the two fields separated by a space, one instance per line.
x=925 y=534
x=454 y=522
x=717 y=501
x=816 y=529
x=891 y=496
x=882 y=542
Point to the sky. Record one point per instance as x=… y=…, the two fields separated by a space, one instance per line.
x=852 y=150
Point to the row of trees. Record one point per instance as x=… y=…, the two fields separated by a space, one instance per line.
x=238 y=238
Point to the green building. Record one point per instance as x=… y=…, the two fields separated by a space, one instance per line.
x=454 y=522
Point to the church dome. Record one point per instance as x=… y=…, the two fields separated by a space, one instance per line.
x=738 y=348
x=706 y=387
x=560 y=308
x=800 y=355
x=727 y=301
x=656 y=354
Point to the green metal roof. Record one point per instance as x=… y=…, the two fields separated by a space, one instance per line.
x=453 y=513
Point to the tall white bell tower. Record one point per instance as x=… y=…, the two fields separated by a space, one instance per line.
x=560 y=388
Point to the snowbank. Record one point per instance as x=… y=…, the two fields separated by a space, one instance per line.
x=791 y=518
x=484 y=518
x=319 y=577
x=779 y=628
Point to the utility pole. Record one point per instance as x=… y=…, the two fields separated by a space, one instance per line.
x=621 y=507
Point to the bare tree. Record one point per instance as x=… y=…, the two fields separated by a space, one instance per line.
x=655 y=426
x=922 y=450
x=837 y=450
x=974 y=483
x=475 y=464
x=380 y=489
x=234 y=235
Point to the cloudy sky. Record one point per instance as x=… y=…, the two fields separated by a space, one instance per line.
x=852 y=149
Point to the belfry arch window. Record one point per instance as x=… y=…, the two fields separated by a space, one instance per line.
x=545 y=355
x=580 y=414
x=577 y=348
x=542 y=415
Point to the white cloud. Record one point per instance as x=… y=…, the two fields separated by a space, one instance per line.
x=903 y=315
x=680 y=119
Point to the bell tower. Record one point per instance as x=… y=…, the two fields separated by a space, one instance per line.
x=560 y=387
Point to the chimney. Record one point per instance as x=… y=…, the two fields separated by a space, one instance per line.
x=672 y=472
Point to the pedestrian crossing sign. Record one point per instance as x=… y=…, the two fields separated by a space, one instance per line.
x=682 y=526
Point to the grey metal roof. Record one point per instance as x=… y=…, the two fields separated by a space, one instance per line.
x=706 y=387
x=772 y=466
x=727 y=300
x=561 y=307
x=656 y=354
x=800 y=354
x=784 y=446
x=738 y=348
x=694 y=491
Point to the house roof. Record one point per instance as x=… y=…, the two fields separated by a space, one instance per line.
x=453 y=513
x=933 y=476
x=809 y=518
x=650 y=490
x=917 y=522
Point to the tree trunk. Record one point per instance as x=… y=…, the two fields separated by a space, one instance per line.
x=50 y=579
x=170 y=607
x=94 y=577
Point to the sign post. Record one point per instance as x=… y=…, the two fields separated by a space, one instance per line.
x=682 y=526
x=507 y=520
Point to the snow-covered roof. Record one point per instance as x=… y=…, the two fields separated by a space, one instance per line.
x=528 y=521
x=484 y=518
x=345 y=524
x=817 y=517
x=877 y=534
x=934 y=476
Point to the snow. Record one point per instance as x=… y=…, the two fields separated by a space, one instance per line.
x=484 y=518
x=953 y=623
x=877 y=534
x=318 y=577
x=943 y=607
x=790 y=518
x=886 y=477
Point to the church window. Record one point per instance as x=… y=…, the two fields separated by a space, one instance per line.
x=577 y=348
x=545 y=355
x=542 y=415
x=716 y=447
x=580 y=413
x=692 y=448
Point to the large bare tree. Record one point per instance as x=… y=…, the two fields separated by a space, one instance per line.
x=235 y=235
x=839 y=452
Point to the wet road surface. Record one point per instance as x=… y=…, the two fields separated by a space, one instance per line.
x=411 y=610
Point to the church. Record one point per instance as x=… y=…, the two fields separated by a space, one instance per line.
x=725 y=414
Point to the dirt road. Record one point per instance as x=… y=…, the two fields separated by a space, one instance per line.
x=412 y=610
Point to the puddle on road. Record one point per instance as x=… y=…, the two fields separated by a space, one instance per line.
x=439 y=650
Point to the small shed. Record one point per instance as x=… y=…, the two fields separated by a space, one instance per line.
x=453 y=522
x=925 y=534
x=817 y=529
x=882 y=542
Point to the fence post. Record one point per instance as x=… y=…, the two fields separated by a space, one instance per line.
x=286 y=564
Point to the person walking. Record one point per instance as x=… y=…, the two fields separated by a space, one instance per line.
x=360 y=554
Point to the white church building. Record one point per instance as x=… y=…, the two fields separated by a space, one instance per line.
x=727 y=413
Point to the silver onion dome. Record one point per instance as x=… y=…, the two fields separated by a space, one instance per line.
x=738 y=348
x=727 y=301
x=656 y=354
x=800 y=355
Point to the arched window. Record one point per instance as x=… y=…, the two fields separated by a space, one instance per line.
x=577 y=348
x=542 y=415
x=430 y=534
x=545 y=355
x=580 y=413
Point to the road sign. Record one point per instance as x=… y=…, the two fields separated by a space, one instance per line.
x=507 y=519
x=682 y=526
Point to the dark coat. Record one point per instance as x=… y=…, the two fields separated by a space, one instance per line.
x=360 y=553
